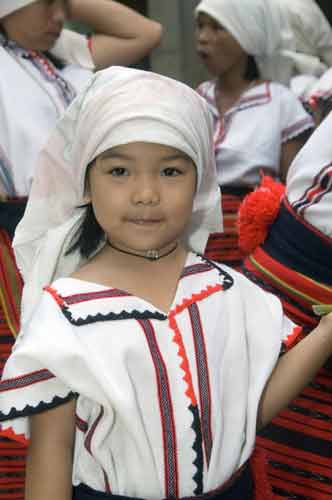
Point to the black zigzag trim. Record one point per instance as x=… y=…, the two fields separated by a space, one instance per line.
x=42 y=406
x=227 y=280
x=198 y=448
x=90 y=319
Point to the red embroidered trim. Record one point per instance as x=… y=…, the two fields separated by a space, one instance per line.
x=196 y=297
x=292 y=337
x=32 y=378
x=203 y=380
x=87 y=445
x=58 y=299
x=9 y=433
x=168 y=425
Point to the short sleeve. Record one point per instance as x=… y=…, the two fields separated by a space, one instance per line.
x=294 y=119
x=32 y=380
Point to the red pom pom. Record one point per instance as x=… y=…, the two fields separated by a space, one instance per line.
x=257 y=212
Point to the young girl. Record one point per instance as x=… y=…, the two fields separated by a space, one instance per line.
x=258 y=123
x=144 y=368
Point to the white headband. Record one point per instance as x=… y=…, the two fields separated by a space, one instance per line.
x=9 y=6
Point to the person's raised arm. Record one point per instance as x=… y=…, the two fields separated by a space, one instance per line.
x=121 y=36
x=288 y=152
x=295 y=370
x=50 y=454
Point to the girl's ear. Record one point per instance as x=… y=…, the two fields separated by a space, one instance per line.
x=87 y=188
x=87 y=192
x=87 y=197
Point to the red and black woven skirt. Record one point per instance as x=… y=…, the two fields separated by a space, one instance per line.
x=224 y=246
x=12 y=454
x=295 y=263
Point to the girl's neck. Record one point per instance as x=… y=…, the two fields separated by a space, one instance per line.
x=155 y=281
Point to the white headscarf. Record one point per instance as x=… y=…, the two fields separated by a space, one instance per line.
x=312 y=35
x=9 y=6
x=119 y=106
x=260 y=28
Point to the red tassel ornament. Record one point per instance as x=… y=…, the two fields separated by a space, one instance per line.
x=257 y=212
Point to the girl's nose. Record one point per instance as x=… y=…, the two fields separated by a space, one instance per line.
x=146 y=192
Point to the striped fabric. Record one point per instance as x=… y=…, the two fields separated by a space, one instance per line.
x=321 y=186
x=12 y=454
x=224 y=247
x=299 y=441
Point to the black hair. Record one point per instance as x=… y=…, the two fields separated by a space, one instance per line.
x=324 y=104
x=90 y=234
x=56 y=61
x=252 y=71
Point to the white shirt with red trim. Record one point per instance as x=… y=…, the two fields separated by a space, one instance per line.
x=309 y=180
x=166 y=402
x=249 y=137
x=33 y=96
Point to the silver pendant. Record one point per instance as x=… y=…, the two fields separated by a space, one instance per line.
x=152 y=255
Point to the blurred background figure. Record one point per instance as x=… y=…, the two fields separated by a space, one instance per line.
x=43 y=67
x=259 y=124
x=312 y=34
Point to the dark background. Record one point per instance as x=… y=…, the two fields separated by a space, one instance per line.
x=326 y=6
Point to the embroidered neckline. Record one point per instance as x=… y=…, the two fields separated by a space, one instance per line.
x=44 y=66
x=250 y=97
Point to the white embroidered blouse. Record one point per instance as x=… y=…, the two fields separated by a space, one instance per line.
x=249 y=137
x=33 y=95
x=166 y=403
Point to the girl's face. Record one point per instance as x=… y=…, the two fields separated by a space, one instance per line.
x=218 y=49
x=38 y=25
x=142 y=195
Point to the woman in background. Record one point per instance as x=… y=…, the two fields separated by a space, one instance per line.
x=259 y=124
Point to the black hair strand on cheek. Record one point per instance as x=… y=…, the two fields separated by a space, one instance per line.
x=88 y=236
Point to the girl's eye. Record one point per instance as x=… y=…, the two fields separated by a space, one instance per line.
x=118 y=172
x=170 y=172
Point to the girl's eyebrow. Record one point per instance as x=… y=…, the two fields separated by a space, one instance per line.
x=177 y=156
x=121 y=156
x=115 y=155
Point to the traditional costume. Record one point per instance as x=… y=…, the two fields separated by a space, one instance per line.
x=34 y=92
x=292 y=259
x=249 y=137
x=166 y=401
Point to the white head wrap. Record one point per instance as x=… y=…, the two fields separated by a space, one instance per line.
x=260 y=28
x=312 y=36
x=120 y=106
x=9 y=6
